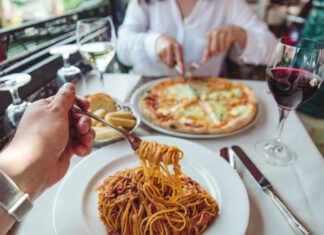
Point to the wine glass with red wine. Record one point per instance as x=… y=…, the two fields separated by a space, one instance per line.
x=294 y=77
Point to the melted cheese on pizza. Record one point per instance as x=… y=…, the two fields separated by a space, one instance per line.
x=240 y=110
x=180 y=92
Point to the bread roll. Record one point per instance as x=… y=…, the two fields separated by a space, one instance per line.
x=121 y=114
x=101 y=101
x=125 y=122
x=105 y=132
x=100 y=112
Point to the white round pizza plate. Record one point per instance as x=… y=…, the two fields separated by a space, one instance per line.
x=135 y=101
x=75 y=205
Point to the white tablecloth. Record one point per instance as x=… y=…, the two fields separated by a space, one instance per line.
x=300 y=185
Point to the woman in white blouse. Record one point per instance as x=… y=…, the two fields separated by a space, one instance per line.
x=156 y=35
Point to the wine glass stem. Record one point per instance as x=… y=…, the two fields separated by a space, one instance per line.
x=66 y=60
x=101 y=76
x=15 y=96
x=282 y=120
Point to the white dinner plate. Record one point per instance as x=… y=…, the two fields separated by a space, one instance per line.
x=75 y=206
x=135 y=101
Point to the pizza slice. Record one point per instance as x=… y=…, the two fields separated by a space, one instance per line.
x=206 y=85
x=228 y=117
x=192 y=117
x=176 y=89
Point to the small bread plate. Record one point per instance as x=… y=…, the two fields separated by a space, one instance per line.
x=121 y=106
x=135 y=101
x=75 y=209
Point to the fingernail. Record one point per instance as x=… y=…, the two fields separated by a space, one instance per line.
x=82 y=149
x=182 y=71
x=68 y=86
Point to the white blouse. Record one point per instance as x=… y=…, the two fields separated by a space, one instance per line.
x=144 y=23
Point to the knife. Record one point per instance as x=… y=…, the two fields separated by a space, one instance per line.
x=295 y=223
x=193 y=67
x=224 y=153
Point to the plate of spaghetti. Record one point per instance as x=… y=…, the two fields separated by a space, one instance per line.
x=173 y=186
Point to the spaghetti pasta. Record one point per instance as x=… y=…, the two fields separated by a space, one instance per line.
x=151 y=199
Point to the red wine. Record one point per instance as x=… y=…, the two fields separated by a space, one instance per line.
x=291 y=87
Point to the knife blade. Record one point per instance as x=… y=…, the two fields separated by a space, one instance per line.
x=224 y=153
x=193 y=67
x=295 y=223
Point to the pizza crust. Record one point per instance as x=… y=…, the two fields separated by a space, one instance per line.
x=238 y=123
x=170 y=124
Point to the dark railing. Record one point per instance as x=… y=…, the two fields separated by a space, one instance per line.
x=30 y=38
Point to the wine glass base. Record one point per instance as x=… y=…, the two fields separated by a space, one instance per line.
x=69 y=71
x=275 y=152
x=14 y=112
x=70 y=74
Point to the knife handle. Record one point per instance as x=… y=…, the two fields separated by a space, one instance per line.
x=292 y=219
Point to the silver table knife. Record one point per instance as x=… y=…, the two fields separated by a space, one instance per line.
x=224 y=153
x=295 y=223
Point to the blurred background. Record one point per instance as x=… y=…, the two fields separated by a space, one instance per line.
x=28 y=28
x=29 y=25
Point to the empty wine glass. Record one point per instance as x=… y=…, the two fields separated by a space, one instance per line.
x=294 y=77
x=96 y=39
x=15 y=110
x=68 y=73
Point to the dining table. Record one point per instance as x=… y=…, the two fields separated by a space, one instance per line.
x=300 y=184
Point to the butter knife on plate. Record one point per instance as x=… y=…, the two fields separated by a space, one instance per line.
x=295 y=223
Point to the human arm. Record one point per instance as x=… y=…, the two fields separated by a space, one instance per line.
x=136 y=46
x=220 y=40
x=47 y=137
x=260 y=41
x=248 y=35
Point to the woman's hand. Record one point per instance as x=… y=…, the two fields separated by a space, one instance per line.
x=221 y=39
x=170 y=52
x=47 y=136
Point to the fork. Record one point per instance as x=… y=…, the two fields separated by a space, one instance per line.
x=194 y=66
x=132 y=139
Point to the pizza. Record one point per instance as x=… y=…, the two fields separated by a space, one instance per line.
x=208 y=105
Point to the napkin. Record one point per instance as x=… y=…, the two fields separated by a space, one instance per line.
x=118 y=86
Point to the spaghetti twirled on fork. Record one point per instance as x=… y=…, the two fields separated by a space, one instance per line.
x=151 y=199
